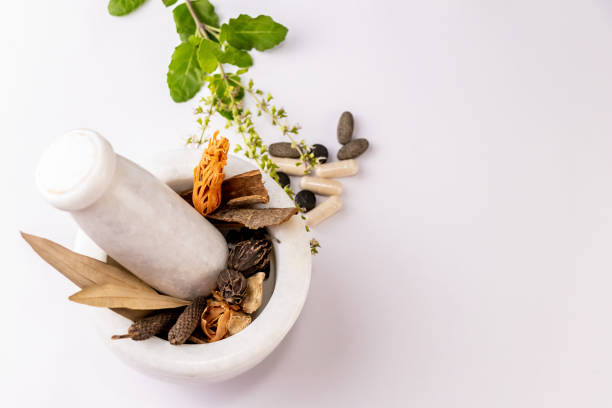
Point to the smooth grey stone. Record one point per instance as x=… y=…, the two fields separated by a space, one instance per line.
x=284 y=149
x=345 y=128
x=353 y=149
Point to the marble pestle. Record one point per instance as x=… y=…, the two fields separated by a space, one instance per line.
x=138 y=220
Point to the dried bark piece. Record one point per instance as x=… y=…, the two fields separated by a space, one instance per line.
x=208 y=176
x=110 y=295
x=149 y=326
x=187 y=321
x=82 y=270
x=244 y=189
x=254 y=218
x=254 y=295
x=238 y=322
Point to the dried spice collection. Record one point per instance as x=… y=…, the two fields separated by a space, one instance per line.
x=239 y=287
x=233 y=207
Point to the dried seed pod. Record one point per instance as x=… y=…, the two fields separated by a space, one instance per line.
x=250 y=256
x=150 y=326
x=254 y=295
x=187 y=321
x=232 y=286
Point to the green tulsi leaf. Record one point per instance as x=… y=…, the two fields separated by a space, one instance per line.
x=185 y=26
x=123 y=7
x=234 y=56
x=207 y=55
x=185 y=78
x=168 y=3
x=245 y=32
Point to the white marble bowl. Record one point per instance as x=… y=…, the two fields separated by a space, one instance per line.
x=236 y=354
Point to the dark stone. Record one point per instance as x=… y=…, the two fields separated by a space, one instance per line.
x=283 y=149
x=320 y=152
x=353 y=149
x=345 y=127
x=306 y=199
x=283 y=179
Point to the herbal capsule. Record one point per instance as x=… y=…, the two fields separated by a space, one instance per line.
x=293 y=167
x=342 y=168
x=324 y=210
x=321 y=185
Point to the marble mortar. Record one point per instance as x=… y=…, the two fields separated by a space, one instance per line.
x=234 y=355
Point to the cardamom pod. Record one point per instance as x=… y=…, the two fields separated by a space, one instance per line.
x=232 y=286
x=250 y=256
x=187 y=321
x=150 y=326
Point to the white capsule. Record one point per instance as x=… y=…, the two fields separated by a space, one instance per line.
x=321 y=186
x=324 y=210
x=293 y=167
x=342 y=168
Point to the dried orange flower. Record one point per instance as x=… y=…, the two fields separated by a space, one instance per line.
x=208 y=176
x=216 y=317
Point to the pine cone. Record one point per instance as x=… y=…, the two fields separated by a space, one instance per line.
x=150 y=326
x=187 y=321
x=232 y=285
x=250 y=256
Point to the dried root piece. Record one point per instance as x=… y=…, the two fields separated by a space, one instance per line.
x=238 y=322
x=208 y=176
x=187 y=321
x=216 y=317
x=254 y=294
x=150 y=326
x=254 y=218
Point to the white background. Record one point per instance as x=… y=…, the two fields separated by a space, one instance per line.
x=471 y=263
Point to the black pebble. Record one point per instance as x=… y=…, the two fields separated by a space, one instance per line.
x=283 y=179
x=306 y=199
x=320 y=152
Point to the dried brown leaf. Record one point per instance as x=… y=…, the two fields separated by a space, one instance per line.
x=82 y=270
x=115 y=296
x=254 y=218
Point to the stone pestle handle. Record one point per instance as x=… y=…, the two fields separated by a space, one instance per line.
x=138 y=220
